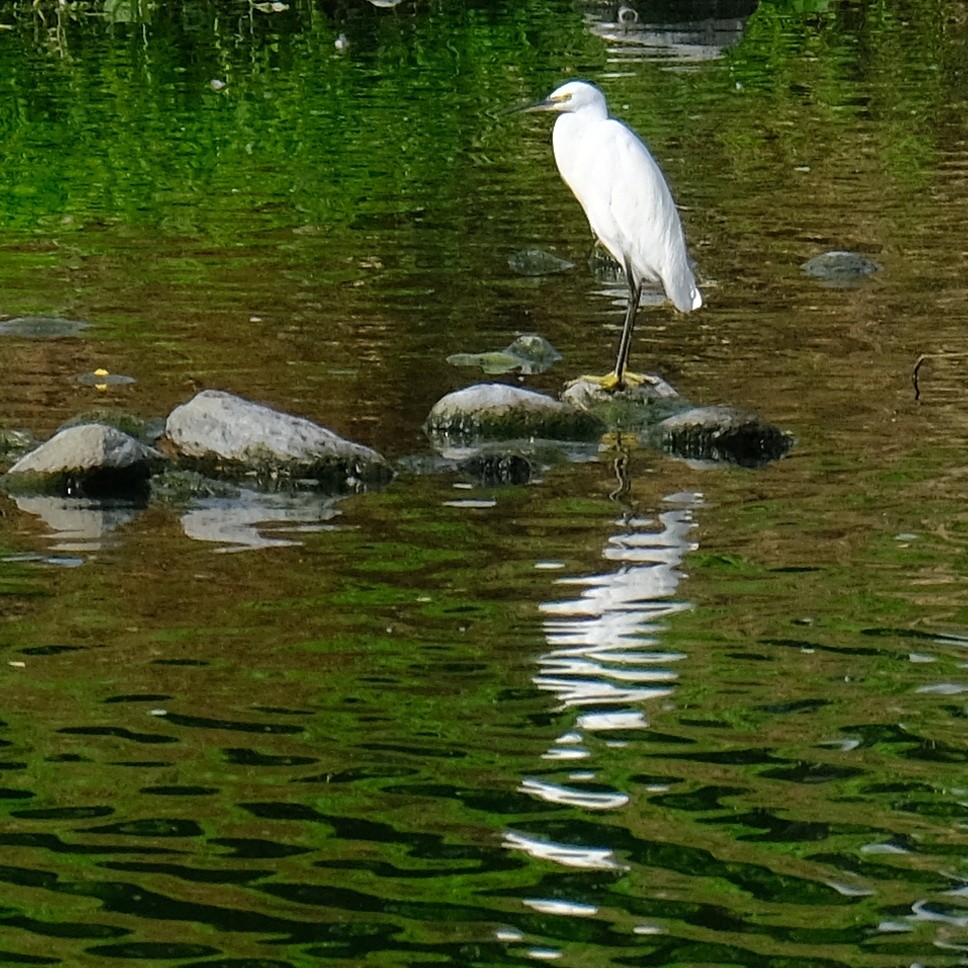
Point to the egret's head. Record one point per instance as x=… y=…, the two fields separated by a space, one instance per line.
x=571 y=96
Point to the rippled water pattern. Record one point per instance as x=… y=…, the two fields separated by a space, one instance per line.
x=639 y=711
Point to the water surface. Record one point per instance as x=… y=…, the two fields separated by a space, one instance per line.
x=636 y=712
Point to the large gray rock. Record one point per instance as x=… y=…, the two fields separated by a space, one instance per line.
x=92 y=460
x=496 y=411
x=225 y=436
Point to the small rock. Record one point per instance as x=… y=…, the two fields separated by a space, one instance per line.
x=498 y=411
x=634 y=408
x=494 y=363
x=92 y=460
x=42 y=327
x=537 y=262
x=837 y=268
x=101 y=379
x=529 y=353
x=490 y=470
x=536 y=350
x=15 y=443
x=147 y=430
x=225 y=436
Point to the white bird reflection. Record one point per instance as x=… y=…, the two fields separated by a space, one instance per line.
x=568 y=855
x=606 y=640
x=556 y=793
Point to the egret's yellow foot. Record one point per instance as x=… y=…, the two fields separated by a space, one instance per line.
x=612 y=382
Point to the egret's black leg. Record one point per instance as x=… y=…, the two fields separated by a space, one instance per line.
x=625 y=343
x=621 y=376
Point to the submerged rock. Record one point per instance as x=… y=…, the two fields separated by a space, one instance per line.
x=534 y=349
x=721 y=434
x=146 y=430
x=493 y=469
x=14 y=444
x=223 y=435
x=101 y=379
x=537 y=262
x=497 y=411
x=838 y=268
x=529 y=353
x=42 y=327
x=92 y=460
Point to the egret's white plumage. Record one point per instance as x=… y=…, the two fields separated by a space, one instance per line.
x=625 y=198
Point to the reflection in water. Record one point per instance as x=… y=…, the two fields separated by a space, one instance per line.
x=606 y=662
x=246 y=521
x=695 y=31
x=79 y=524
x=605 y=657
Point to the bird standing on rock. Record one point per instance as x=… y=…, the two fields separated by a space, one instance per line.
x=627 y=203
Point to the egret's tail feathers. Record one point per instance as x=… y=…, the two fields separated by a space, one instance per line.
x=686 y=299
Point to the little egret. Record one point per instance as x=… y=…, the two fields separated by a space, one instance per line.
x=627 y=203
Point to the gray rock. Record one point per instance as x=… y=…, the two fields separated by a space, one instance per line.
x=496 y=411
x=721 y=434
x=536 y=350
x=147 y=430
x=14 y=444
x=635 y=408
x=92 y=460
x=529 y=353
x=42 y=327
x=838 y=268
x=223 y=435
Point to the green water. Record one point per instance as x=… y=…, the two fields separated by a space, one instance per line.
x=637 y=712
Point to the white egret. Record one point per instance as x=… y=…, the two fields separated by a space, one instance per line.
x=627 y=203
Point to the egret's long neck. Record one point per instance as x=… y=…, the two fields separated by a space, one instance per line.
x=569 y=138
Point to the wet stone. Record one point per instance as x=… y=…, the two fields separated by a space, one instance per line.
x=147 y=430
x=529 y=353
x=634 y=408
x=493 y=469
x=225 y=436
x=537 y=262
x=722 y=434
x=42 y=327
x=14 y=444
x=92 y=460
x=497 y=411
x=839 y=268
